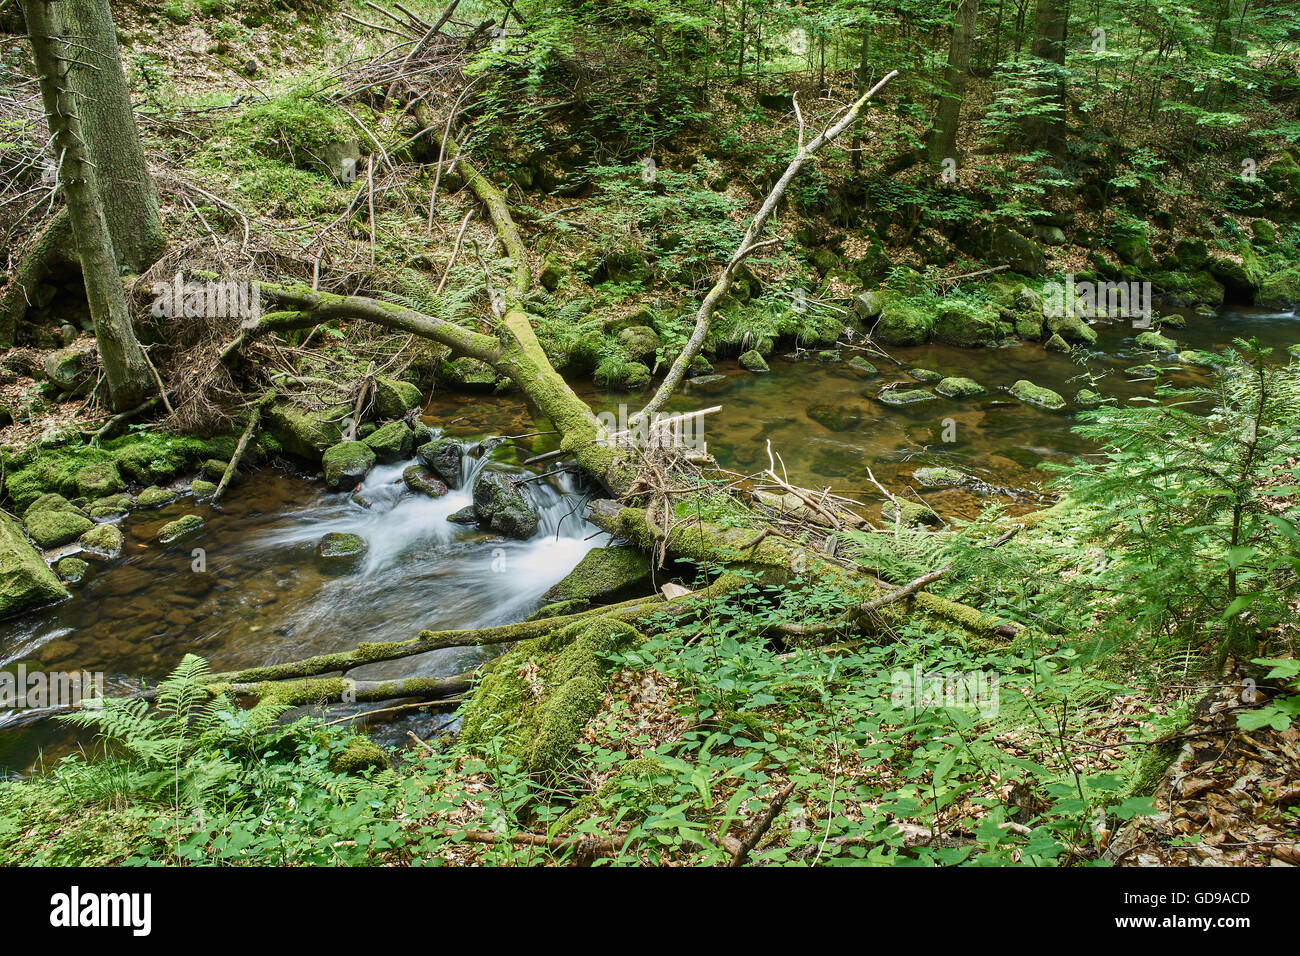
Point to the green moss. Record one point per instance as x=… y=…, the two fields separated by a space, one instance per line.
x=752 y=361
x=359 y=755
x=104 y=539
x=559 y=609
x=346 y=464
x=302 y=433
x=537 y=715
x=1156 y=342
x=114 y=506
x=99 y=479
x=339 y=550
x=49 y=529
x=601 y=573
x=957 y=387
x=393 y=398
x=904 y=396
x=202 y=489
x=968 y=325
x=939 y=477
x=155 y=497
x=862 y=365
x=52 y=501
x=390 y=443
x=182 y=527
x=1032 y=394
x=72 y=570
x=25 y=580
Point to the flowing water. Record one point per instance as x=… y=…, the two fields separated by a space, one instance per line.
x=263 y=598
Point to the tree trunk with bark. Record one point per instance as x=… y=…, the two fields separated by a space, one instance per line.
x=943 y=137
x=125 y=367
x=104 y=104
x=1048 y=131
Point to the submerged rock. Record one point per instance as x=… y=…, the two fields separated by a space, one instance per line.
x=904 y=396
x=862 y=365
x=940 y=477
x=339 y=550
x=957 y=387
x=346 y=464
x=837 y=418
x=1032 y=394
x=180 y=528
x=104 y=540
x=1087 y=398
x=505 y=506
x=443 y=455
x=27 y=581
x=419 y=479
x=602 y=574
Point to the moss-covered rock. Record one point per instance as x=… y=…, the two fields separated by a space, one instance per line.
x=72 y=570
x=752 y=361
x=558 y=609
x=958 y=387
x=904 y=396
x=1087 y=398
x=392 y=442
x=1071 y=328
x=338 y=550
x=968 y=327
x=99 y=480
x=304 y=433
x=940 y=477
x=603 y=574
x=903 y=323
x=862 y=365
x=49 y=529
x=505 y=506
x=1056 y=344
x=1264 y=232
x=421 y=480
x=114 y=506
x=443 y=455
x=346 y=464
x=182 y=527
x=468 y=374
x=104 y=540
x=201 y=488
x=51 y=501
x=1280 y=290
x=25 y=579
x=640 y=343
x=1156 y=342
x=1191 y=254
x=912 y=514
x=155 y=497
x=1032 y=394
x=393 y=398
x=925 y=376
x=535 y=701
x=359 y=756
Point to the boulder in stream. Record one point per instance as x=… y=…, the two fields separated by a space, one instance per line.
x=27 y=581
x=182 y=527
x=393 y=398
x=904 y=396
x=390 y=443
x=104 y=540
x=1032 y=394
x=346 y=464
x=422 y=481
x=155 y=497
x=505 y=506
x=602 y=574
x=752 y=361
x=940 y=477
x=957 y=387
x=339 y=550
x=49 y=529
x=443 y=456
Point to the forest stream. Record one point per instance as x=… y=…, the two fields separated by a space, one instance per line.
x=263 y=599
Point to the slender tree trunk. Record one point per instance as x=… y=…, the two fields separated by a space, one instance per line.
x=943 y=137
x=125 y=366
x=104 y=104
x=1048 y=132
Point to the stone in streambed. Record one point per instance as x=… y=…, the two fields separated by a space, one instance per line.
x=390 y=443
x=505 y=506
x=346 y=464
x=340 y=551
x=180 y=528
x=1156 y=342
x=957 y=387
x=465 y=516
x=114 y=506
x=862 y=365
x=925 y=376
x=602 y=574
x=103 y=540
x=904 y=396
x=1032 y=394
x=155 y=497
x=26 y=580
x=939 y=477
x=99 y=480
x=443 y=456
x=753 y=361
x=419 y=479
x=836 y=418
x=393 y=398
x=72 y=570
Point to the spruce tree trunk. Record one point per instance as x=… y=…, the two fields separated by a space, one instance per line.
x=943 y=137
x=125 y=367
x=104 y=104
x=1048 y=132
